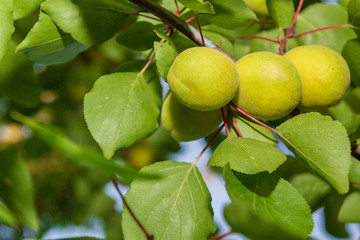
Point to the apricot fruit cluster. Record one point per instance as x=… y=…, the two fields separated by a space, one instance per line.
x=265 y=85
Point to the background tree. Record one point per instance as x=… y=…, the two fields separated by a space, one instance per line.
x=77 y=75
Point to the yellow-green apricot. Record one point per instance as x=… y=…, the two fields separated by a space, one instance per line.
x=258 y=6
x=203 y=78
x=324 y=73
x=270 y=85
x=186 y=124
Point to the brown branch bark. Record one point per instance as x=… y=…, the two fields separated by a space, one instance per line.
x=174 y=21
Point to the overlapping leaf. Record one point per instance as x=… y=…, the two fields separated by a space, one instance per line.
x=332 y=224
x=198 y=6
x=349 y=211
x=323 y=144
x=47 y=44
x=23 y=8
x=351 y=54
x=175 y=207
x=6 y=25
x=281 y=11
x=269 y=200
x=88 y=21
x=6 y=217
x=119 y=110
x=324 y=15
x=165 y=55
x=247 y=155
x=354 y=14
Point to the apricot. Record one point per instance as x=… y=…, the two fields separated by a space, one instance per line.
x=324 y=73
x=270 y=85
x=186 y=124
x=203 y=78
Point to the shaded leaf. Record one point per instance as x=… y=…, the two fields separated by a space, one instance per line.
x=138 y=36
x=165 y=55
x=291 y=167
x=354 y=174
x=119 y=110
x=350 y=209
x=57 y=140
x=323 y=144
x=274 y=201
x=23 y=8
x=353 y=128
x=198 y=6
x=47 y=44
x=175 y=207
x=230 y=13
x=323 y=15
x=221 y=41
x=354 y=14
x=332 y=224
x=88 y=21
x=6 y=25
x=281 y=11
x=312 y=188
x=16 y=189
x=247 y=155
x=351 y=53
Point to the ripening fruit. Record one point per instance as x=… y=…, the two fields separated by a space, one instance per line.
x=270 y=85
x=258 y=6
x=203 y=78
x=186 y=124
x=324 y=73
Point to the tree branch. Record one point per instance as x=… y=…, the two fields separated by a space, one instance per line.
x=176 y=22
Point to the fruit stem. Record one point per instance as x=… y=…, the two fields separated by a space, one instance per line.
x=148 y=236
x=177 y=8
x=321 y=29
x=147 y=65
x=190 y=19
x=146 y=16
x=221 y=236
x=208 y=144
x=225 y=122
x=236 y=127
x=257 y=121
x=257 y=37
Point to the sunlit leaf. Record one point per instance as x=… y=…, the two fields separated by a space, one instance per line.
x=349 y=211
x=6 y=25
x=281 y=11
x=23 y=8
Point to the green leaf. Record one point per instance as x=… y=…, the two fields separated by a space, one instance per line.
x=6 y=217
x=6 y=24
x=230 y=13
x=323 y=15
x=175 y=207
x=47 y=44
x=23 y=8
x=354 y=174
x=354 y=14
x=138 y=36
x=350 y=209
x=281 y=11
x=323 y=144
x=351 y=53
x=165 y=55
x=16 y=189
x=312 y=188
x=198 y=6
x=252 y=130
x=353 y=128
x=271 y=199
x=291 y=167
x=119 y=110
x=247 y=155
x=221 y=41
x=57 y=140
x=88 y=21
x=332 y=224
x=162 y=35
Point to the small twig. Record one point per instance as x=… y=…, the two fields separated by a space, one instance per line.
x=257 y=37
x=142 y=15
x=190 y=19
x=225 y=122
x=236 y=127
x=294 y=21
x=147 y=64
x=182 y=10
x=199 y=26
x=177 y=8
x=355 y=183
x=321 y=29
x=208 y=144
x=221 y=236
x=148 y=236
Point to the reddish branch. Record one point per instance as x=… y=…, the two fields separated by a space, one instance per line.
x=236 y=127
x=225 y=122
x=148 y=236
x=258 y=37
x=321 y=29
x=221 y=236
